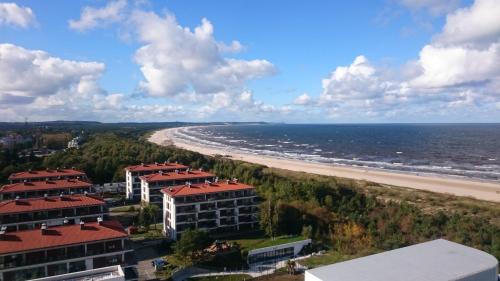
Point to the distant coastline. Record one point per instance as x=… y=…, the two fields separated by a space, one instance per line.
x=482 y=190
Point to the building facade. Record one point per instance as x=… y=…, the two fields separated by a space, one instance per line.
x=37 y=189
x=151 y=185
x=51 y=251
x=216 y=207
x=47 y=175
x=28 y=214
x=132 y=174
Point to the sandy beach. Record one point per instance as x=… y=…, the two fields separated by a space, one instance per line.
x=489 y=191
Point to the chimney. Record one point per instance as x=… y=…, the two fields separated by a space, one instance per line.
x=156 y=163
x=200 y=169
x=142 y=164
x=160 y=172
x=44 y=228
x=188 y=184
x=176 y=171
x=61 y=196
x=99 y=220
x=46 y=196
x=82 y=224
x=66 y=221
x=25 y=182
x=57 y=169
x=17 y=200
x=85 y=193
x=47 y=169
x=227 y=181
x=216 y=179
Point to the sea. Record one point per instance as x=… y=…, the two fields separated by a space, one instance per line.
x=457 y=150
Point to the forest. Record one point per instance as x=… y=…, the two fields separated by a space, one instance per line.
x=338 y=214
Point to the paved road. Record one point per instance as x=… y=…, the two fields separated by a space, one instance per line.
x=145 y=256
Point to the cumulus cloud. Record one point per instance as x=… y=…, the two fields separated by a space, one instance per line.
x=94 y=17
x=12 y=14
x=458 y=70
x=175 y=59
x=479 y=23
x=303 y=99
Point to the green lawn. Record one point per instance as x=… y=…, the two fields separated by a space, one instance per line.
x=234 y=277
x=255 y=241
x=328 y=258
x=151 y=234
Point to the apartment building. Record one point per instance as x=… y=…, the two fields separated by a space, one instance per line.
x=132 y=174
x=27 y=214
x=51 y=251
x=46 y=175
x=34 y=189
x=217 y=207
x=151 y=185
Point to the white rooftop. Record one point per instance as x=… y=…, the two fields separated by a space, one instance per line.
x=437 y=260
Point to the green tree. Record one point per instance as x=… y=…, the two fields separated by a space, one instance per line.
x=189 y=249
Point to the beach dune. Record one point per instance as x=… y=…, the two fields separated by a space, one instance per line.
x=482 y=190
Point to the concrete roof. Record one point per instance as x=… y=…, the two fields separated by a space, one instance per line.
x=435 y=260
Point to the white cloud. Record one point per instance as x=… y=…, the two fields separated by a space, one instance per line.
x=479 y=23
x=32 y=73
x=12 y=14
x=175 y=59
x=457 y=65
x=94 y=17
x=303 y=99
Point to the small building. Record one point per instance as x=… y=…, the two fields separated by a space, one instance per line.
x=132 y=174
x=46 y=175
x=38 y=189
x=218 y=207
x=110 y=273
x=274 y=254
x=151 y=185
x=26 y=214
x=51 y=251
x=437 y=260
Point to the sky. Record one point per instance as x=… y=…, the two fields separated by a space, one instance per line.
x=377 y=61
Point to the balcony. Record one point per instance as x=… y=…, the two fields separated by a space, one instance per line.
x=186 y=218
x=186 y=209
x=227 y=204
x=227 y=221
x=227 y=213
x=207 y=215
x=207 y=224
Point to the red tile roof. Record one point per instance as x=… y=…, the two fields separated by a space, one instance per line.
x=156 y=167
x=177 y=176
x=31 y=240
x=194 y=189
x=43 y=185
x=40 y=204
x=45 y=174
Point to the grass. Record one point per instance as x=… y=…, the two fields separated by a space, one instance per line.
x=124 y=209
x=232 y=277
x=258 y=240
x=152 y=233
x=328 y=258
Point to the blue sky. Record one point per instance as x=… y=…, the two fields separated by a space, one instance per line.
x=309 y=61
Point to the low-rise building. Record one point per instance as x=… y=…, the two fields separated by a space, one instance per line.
x=218 y=207
x=51 y=251
x=25 y=214
x=132 y=174
x=110 y=273
x=151 y=185
x=438 y=260
x=46 y=175
x=276 y=253
x=37 y=189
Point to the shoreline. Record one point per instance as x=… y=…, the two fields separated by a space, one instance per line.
x=481 y=190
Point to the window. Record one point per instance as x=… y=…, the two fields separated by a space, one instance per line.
x=56 y=269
